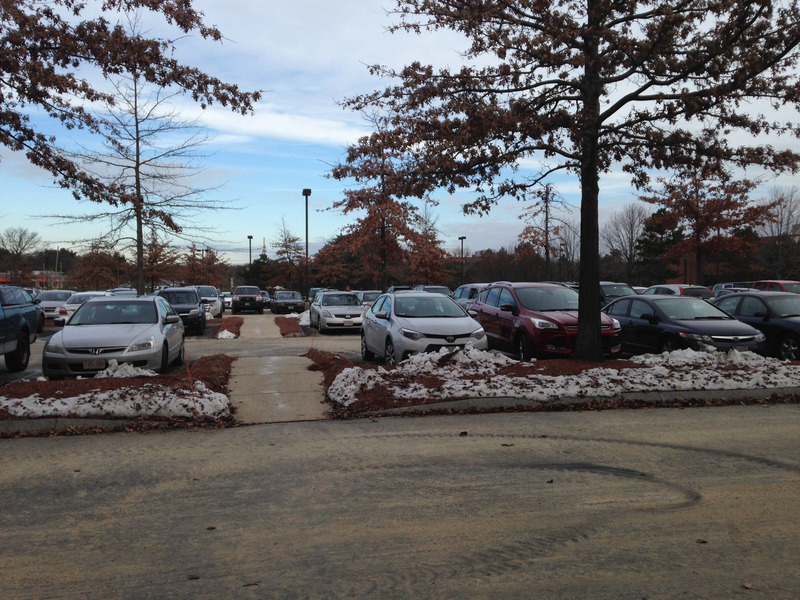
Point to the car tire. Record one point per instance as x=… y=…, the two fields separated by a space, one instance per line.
x=389 y=357
x=181 y=358
x=17 y=360
x=789 y=347
x=164 y=358
x=366 y=353
x=667 y=344
x=234 y=311
x=40 y=324
x=524 y=348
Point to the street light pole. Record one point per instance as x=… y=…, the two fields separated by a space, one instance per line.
x=462 y=238
x=250 y=268
x=306 y=194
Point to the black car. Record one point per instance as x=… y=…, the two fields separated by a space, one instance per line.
x=187 y=303
x=775 y=314
x=664 y=323
x=287 y=301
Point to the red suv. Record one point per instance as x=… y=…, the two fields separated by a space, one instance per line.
x=536 y=319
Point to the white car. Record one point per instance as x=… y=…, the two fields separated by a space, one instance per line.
x=336 y=310
x=74 y=301
x=404 y=323
x=209 y=296
x=52 y=300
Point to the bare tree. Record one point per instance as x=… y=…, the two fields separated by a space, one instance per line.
x=622 y=231
x=542 y=223
x=18 y=242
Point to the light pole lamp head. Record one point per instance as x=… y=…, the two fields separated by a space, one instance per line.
x=306 y=192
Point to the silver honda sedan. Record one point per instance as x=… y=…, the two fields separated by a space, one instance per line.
x=404 y=323
x=145 y=332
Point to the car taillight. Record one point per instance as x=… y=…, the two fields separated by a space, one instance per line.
x=62 y=311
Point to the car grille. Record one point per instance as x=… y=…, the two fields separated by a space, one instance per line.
x=733 y=339
x=447 y=338
x=575 y=327
x=97 y=351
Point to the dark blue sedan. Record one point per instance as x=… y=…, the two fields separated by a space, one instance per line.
x=665 y=323
x=775 y=314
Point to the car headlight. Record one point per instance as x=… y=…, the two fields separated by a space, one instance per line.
x=698 y=337
x=760 y=337
x=54 y=345
x=194 y=312
x=148 y=343
x=478 y=334
x=542 y=324
x=616 y=325
x=326 y=314
x=412 y=335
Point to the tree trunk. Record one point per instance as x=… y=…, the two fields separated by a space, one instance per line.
x=589 y=342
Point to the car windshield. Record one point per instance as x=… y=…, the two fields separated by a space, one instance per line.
x=690 y=309
x=340 y=300
x=370 y=296
x=544 y=299
x=617 y=290
x=54 y=296
x=287 y=296
x=435 y=306
x=785 y=306
x=179 y=297
x=254 y=291
x=206 y=291
x=792 y=287
x=81 y=298
x=114 y=313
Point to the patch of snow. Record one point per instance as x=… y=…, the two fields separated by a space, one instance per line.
x=475 y=373
x=115 y=369
x=304 y=318
x=224 y=334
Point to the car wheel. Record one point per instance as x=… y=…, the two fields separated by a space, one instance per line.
x=234 y=311
x=524 y=348
x=181 y=358
x=261 y=311
x=388 y=353
x=366 y=353
x=17 y=360
x=164 y=358
x=668 y=344
x=40 y=324
x=789 y=348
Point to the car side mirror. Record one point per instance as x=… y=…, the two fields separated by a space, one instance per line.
x=172 y=319
x=59 y=322
x=382 y=315
x=512 y=308
x=472 y=313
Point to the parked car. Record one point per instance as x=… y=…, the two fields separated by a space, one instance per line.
x=368 y=297
x=186 y=302
x=266 y=299
x=209 y=296
x=74 y=301
x=52 y=300
x=657 y=323
x=680 y=289
x=466 y=294
x=145 y=332
x=404 y=323
x=610 y=290
x=20 y=318
x=434 y=289
x=123 y=291
x=398 y=288
x=775 y=314
x=722 y=292
x=312 y=293
x=286 y=301
x=731 y=284
x=336 y=310
x=247 y=297
x=536 y=319
x=227 y=299
x=778 y=285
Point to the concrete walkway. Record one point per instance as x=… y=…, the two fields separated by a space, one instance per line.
x=274 y=389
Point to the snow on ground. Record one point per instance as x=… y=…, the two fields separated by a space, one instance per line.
x=224 y=334
x=304 y=318
x=473 y=373
x=142 y=401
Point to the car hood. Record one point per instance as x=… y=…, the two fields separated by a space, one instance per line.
x=719 y=327
x=461 y=326
x=565 y=318
x=104 y=335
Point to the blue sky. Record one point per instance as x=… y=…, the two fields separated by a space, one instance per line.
x=307 y=55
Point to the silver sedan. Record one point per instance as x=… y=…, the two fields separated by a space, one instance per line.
x=404 y=323
x=336 y=310
x=145 y=332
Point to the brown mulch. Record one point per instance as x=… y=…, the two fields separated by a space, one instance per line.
x=232 y=324
x=289 y=326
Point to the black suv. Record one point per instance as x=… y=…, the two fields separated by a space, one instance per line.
x=187 y=303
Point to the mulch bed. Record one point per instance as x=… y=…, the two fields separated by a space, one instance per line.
x=289 y=326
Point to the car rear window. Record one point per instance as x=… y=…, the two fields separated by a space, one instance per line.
x=253 y=291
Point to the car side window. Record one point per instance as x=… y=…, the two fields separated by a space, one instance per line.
x=729 y=304
x=376 y=307
x=640 y=308
x=752 y=306
x=492 y=296
x=619 y=308
x=506 y=297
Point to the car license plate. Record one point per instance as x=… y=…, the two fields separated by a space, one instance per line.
x=94 y=363
x=348 y=323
